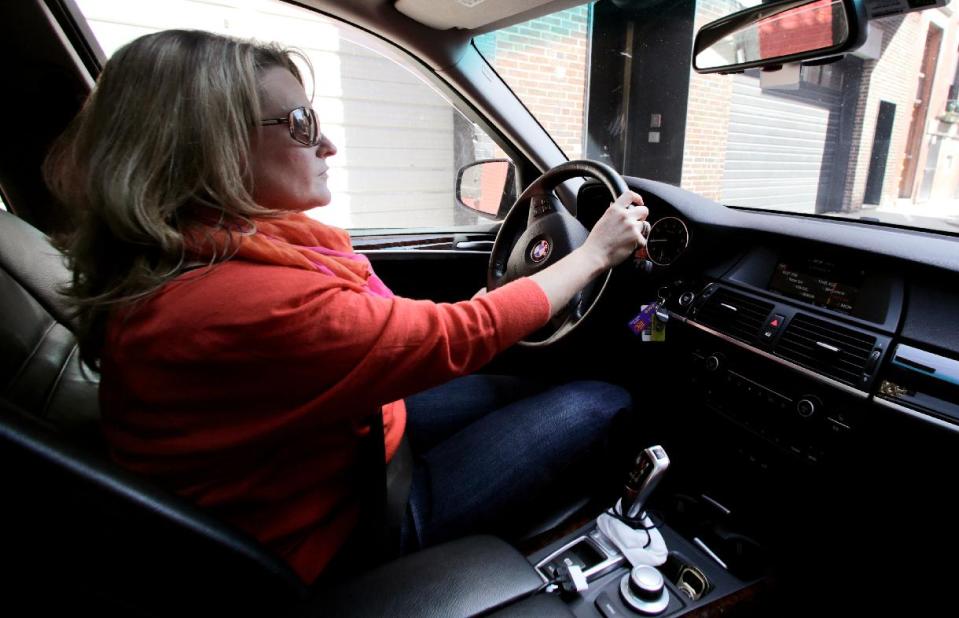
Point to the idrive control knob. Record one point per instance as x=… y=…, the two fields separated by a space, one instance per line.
x=713 y=363
x=646 y=582
x=643 y=589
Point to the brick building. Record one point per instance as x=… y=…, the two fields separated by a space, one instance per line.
x=813 y=150
x=707 y=116
x=882 y=139
x=545 y=62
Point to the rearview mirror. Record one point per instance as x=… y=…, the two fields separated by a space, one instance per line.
x=778 y=33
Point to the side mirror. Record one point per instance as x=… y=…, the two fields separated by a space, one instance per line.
x=778 y=33
x=487 y=187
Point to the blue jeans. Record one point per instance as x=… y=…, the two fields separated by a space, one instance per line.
x=488 y=447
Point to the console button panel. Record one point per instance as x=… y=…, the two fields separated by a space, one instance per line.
x=801 y=416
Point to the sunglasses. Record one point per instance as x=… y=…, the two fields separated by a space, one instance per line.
x=303 y=123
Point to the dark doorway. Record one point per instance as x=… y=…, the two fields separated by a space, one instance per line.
x=930 y=58
x=639 y=85
x=880 y=152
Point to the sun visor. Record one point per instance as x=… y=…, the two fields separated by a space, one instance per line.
x=475 y=14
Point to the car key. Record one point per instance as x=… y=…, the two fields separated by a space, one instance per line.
x=643 y=319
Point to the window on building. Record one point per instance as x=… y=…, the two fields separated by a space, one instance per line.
x=400 y=143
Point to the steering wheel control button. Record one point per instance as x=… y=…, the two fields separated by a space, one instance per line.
x=644 y=590
x=541 y=206
x=539 y=251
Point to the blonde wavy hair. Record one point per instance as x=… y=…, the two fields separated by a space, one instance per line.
x=164 y=139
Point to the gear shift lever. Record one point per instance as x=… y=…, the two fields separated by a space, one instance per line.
x=631 y=530
x=642 y=480
x=628 y=529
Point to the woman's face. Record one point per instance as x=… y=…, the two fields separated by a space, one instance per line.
x=286 y=174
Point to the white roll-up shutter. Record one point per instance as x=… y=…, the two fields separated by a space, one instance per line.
x=780 y=147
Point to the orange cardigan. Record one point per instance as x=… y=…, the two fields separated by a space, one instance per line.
x=242 y=387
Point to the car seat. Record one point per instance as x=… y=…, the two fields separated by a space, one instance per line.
x=72 y=521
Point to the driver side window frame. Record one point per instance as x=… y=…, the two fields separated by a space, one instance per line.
x=386 y=162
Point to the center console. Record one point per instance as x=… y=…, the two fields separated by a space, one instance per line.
x=690 y=579
x=632 y=560
x=628 y=563
x=787 y=346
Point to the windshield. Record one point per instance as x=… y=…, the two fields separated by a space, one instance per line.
x=873 y=136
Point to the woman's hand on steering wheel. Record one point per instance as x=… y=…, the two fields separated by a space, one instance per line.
x=621 y=230
x=542 y=240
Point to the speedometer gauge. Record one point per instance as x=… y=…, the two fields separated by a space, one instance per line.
x=667 y=240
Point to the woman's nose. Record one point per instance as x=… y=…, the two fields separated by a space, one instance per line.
x=326 y=147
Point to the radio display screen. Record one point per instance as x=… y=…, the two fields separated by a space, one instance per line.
x=818 y=282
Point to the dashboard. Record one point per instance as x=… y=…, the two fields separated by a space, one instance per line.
x=796 y=329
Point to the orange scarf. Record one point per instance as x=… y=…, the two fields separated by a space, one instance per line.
x=297 y=241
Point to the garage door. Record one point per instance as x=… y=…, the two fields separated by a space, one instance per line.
x=781 y=147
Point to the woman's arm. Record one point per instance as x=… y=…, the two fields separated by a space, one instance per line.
x=315 y=338
x=418 y=344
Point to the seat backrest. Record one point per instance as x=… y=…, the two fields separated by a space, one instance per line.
x=80 y=531
x=40 y=369
x=73 y=523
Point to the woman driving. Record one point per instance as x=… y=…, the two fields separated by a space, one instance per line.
x=243 y=344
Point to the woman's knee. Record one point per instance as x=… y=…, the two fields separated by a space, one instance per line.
x=600 y=396
x=592 y=401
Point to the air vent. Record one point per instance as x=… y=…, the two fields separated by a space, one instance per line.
x=734 y=314
x=838 y=352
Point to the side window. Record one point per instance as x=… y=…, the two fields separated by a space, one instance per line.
x=400 y=143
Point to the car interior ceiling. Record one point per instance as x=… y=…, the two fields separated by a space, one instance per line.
x=878 y=513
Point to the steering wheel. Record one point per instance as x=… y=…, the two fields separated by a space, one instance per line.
x=539 y=231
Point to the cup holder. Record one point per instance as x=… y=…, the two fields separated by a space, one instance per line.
x=704 y=518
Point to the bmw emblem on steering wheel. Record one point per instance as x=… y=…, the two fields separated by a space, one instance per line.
x=539 y=251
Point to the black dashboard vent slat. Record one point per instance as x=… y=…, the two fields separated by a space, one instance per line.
x=846 y=350
x=810 y=342
x=855 y=343
x=734 y=314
